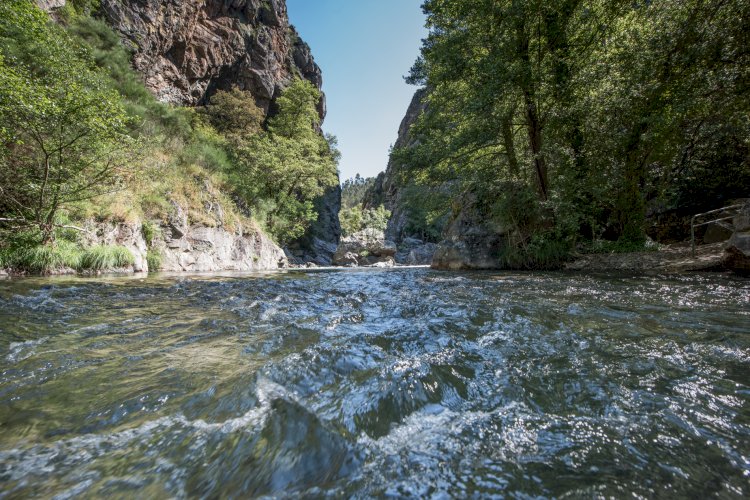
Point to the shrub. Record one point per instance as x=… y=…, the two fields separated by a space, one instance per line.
x=619 y=246
x=149 y=231
x=351 y=220
x=153 y=258
x=542 y=252
x=235 y=114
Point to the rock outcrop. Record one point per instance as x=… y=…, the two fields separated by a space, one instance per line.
x=368 y=247
x=50 y=5
x=471 y=242
x=186 y=50
x=737 y=253
x=415 y=252
x=387 y=190
x=322 y=239
x=183 y=247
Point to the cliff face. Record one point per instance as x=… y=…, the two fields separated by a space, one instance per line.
x=387 y=188
x=186 y=50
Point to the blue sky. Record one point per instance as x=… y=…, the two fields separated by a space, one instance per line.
x=364 y=47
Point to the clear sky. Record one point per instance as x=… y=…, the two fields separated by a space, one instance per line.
x=364 y=47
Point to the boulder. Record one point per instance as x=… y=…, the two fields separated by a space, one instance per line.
x=384 y=263
x=415 y=252
x=422 y=255
x=737 y=253
x=716 y=234
x=348 y=259
x=471 y=242
x=365 y=244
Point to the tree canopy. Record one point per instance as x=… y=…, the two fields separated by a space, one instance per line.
x=281 y=171
x=601 y=109
x=63 y=127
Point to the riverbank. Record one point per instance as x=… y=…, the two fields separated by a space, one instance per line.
x=671 y=259
x=668 y=259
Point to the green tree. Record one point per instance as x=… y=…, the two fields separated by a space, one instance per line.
x=668 y=87
x=498 y=73
x=235 y=114
x=282 y=171
x=353 y=190
x=64 y=134
x=603 y=108
x=356 y=219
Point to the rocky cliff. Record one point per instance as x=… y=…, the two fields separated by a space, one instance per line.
x=387 y=190
x=187 y=50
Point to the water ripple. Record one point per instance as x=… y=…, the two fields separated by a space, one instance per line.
x=405 y=383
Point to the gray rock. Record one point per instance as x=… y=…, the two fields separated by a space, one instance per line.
x=415 y=252
x=50 y=5
x=385 y=263
x=193 y=248
x=737 y=253
x=129 y=236
x=470 y=243
x=421 y=255
x=364 y=244
x=716 y=234
x=348 y=259
x=322 y=239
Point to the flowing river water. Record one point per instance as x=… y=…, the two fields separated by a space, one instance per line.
x=361 y=383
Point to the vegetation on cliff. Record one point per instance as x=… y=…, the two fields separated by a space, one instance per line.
x=354 y=216
x=81 y=139
x=568 y=122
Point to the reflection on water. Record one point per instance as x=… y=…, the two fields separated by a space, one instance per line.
x=361 y=383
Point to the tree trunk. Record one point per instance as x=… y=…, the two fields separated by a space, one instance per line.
x=535 y=143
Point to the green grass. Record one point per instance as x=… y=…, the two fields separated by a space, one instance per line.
x=149 y=230
x=103 y=257
x=42 y=259
x=26 y=255
x=153 y=258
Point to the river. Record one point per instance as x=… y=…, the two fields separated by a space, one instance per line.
x=361 y=383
